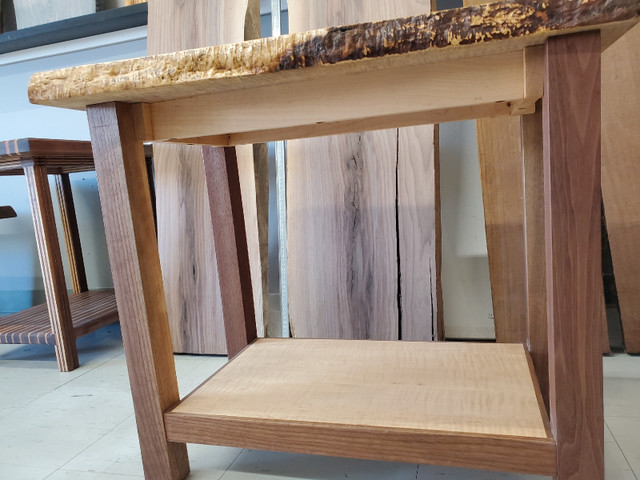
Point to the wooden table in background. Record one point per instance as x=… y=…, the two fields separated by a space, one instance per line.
x=64 y=317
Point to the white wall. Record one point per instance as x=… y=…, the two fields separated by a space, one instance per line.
x=20 y=276
x=468 y=312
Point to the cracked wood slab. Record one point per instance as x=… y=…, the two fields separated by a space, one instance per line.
x=361 y=215
x=463 y=32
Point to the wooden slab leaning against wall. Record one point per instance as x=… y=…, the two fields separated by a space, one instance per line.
x=363 y=215
x=620 y=173
x=514 y=295
x=185 y=234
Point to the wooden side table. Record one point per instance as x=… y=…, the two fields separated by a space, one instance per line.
x=64 y=317
x=463 y=404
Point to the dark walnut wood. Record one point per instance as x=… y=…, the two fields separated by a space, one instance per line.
x=530 y=21
x=59 y=156
x=6 y=211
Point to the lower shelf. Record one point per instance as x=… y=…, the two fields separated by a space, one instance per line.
x=463 y=404
x=89 y=311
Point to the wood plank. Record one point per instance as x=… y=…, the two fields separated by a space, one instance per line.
x=571 y=135
x=71 y=233
x=500 y=156
x=246 y=114
x=225 y=203
x=419 y=234
x=89 y=312
x=185 y=233
x=135 y=264
x=477 y=396
x=346 y=196
x=620 y=168
x=48 y=248
x=7 y=211
x=431 y=38
x=500 y=152
x=30 y=13
x=60 y=156
x=536 y=299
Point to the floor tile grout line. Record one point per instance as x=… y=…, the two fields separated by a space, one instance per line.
x=231 y=464
x=90 y=445
x=621 y=450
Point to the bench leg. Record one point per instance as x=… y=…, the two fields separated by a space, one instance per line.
x=232 y=254
x=51 y=263
x=71 y=233
x=135 y=264
x=571 y=151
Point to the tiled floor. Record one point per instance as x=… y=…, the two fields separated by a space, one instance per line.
x=80 y=426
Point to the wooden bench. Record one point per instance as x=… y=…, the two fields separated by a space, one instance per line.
x=65 y=316
x=534 y=408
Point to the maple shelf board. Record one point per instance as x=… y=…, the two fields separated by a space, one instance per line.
x=89 y=311
x=478 y=399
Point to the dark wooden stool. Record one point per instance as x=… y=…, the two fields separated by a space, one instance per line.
x=64 y=317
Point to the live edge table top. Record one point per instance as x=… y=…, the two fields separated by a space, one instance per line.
x=472 y=56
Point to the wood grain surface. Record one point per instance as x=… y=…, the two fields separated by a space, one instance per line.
x=620 y=171
x=225 y=204
x=135 y=265
x=500 y=156
x=185 y=234
x=352 y=390
x=31 y=13
x=500 y=149
x=571 y=136
x=448 y=34
x=48 y=247
x=71 y=233
x=347 y=197
x=536 y=285
x=89 y=312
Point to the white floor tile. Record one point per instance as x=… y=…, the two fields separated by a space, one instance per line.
x=82 y=428
x=23 y=472
x=36 y=443
x=73 y=475
x=258 y=465
x=117 y=452
x=626 y=432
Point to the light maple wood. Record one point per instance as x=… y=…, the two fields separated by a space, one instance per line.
x=135 y=264
x=225 y=202
x=89 y=312
x=55 y=288
x=474 y=394
x=185 y=234
x=620 y=169
x=71 y=233
x=442 y=36
x=572 y=199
